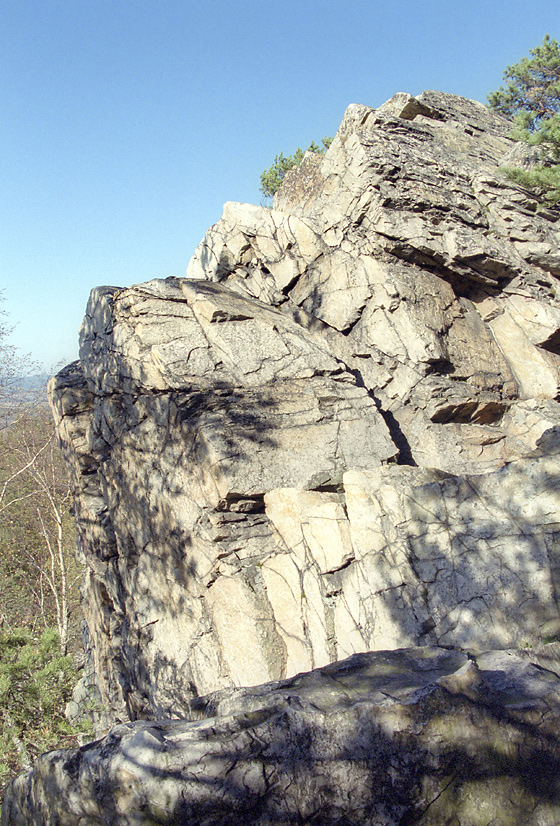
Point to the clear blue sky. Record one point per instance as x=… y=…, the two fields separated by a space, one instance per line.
x=126 y=124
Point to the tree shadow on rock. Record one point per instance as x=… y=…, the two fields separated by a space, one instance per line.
x=483 y=556
x=394 y=738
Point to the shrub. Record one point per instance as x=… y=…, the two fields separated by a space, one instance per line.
x=272 y=177
x=36 y=681
x=532 y=98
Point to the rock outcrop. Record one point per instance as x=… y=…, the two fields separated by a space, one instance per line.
x=417 y=736
x=338 y=434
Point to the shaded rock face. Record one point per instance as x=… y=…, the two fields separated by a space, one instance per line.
x=417 y=736
x=338 y=434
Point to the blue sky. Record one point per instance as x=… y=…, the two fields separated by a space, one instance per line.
x=126 y=124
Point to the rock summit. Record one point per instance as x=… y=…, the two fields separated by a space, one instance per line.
x=317 y=499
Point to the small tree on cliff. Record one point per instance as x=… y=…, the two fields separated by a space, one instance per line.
x=272 y=177
x=531 y=97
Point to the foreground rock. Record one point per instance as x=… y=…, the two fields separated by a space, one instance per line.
x=424 y=735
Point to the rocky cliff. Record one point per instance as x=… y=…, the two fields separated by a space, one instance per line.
x=338 y=434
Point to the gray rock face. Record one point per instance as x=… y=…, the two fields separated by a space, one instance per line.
x=326 y=439
x=338 y=434
x=189 y=424
x=425 y=736
x=433 y=277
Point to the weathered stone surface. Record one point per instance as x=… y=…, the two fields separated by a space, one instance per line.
x=341 y=432
x=459 y=557
x=174 y=447
x=431 y=274
x=413 y=555
x=231 y=432
x=423 y=735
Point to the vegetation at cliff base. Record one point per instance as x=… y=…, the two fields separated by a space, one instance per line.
x=531 y=97
x=36 y=681
x=39 y=572
x=272 y=177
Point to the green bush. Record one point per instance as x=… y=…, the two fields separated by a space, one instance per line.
x=36 y=682
x=272 y=177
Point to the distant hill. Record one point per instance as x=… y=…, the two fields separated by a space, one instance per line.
x=21 y=391
x=31 y=382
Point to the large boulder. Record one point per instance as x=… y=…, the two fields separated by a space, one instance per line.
x=337 y=434
x=193 y=403
x=423 y=735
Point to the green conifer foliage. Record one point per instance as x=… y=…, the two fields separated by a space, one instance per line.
x=532 y=98
x=36 y=680
x=272 y=177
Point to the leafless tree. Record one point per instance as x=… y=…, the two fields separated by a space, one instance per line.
x=38 y=567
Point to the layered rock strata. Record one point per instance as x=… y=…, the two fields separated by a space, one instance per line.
x=337 y=434
x=429 y=274
x=197 y=403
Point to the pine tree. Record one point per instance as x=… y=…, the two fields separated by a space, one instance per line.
x=272 y=177
x=532 y=98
